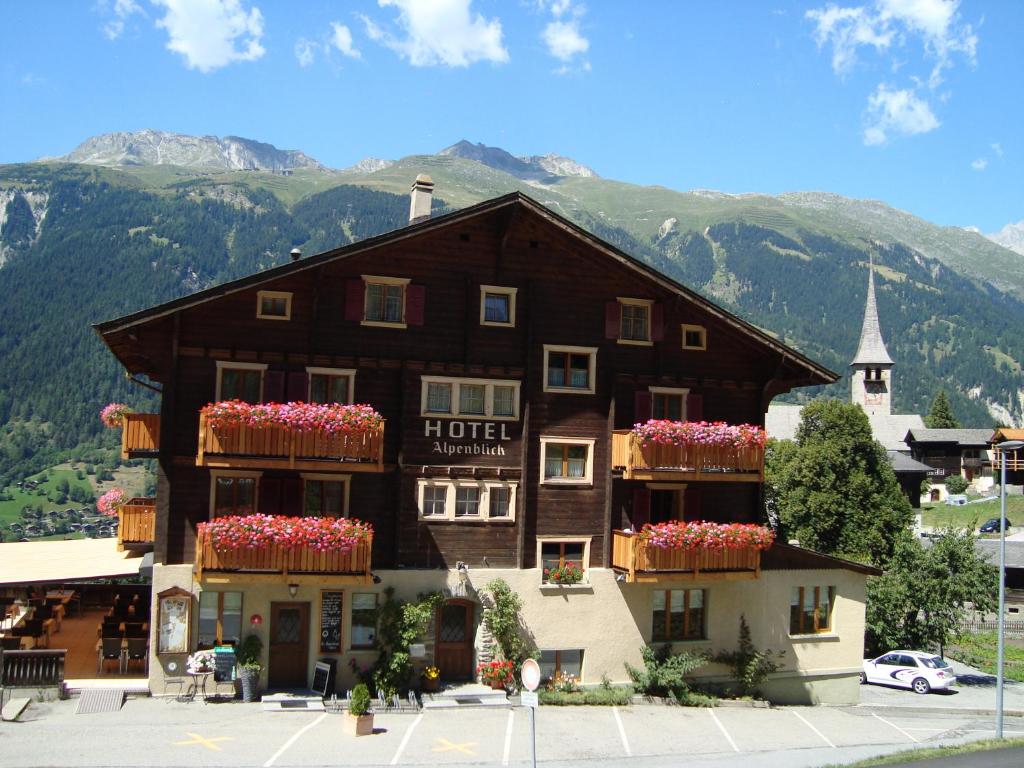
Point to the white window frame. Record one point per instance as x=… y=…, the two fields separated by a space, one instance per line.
x=216 y=473
x=626 y=301
x=684 y=393
x=315 y=371
x=588 y=474
x=455 y=382
x=591 y=372
x=584 y=540
x=485 y=500
x=684 y=327
x=286 y=295
x=222 y=364
x=384 y=280
x=345 y=480
x=505 y=291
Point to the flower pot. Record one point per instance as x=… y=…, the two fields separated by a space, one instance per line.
x=250 y=683
x=357 y=725
x=430 y=684
x=498 y=685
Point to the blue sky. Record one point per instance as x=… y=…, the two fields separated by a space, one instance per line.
x=914 y=102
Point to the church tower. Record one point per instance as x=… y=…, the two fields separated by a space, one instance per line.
x=871 y=385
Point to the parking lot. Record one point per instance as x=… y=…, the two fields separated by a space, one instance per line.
x=157 y=732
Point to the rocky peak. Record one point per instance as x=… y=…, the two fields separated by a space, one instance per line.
x=527 y=167
x=1011 y=236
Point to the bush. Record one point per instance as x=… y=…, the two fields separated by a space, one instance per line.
x=360 y=702
x=505 y=624
x=250 y=652
x=956 y=484
x=750 y=667
x=606 y=697
x=664 y=674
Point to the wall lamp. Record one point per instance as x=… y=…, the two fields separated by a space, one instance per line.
x=293 y=590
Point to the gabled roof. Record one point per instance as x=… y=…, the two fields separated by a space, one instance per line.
x=818 y=373
x=1006 y=433
x=965 y=437
x=871 y=350
x=903 y=464
x=890 y=429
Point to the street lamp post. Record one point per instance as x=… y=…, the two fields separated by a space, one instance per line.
x=1002 y=448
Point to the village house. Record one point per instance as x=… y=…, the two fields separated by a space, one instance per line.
x=510 y=354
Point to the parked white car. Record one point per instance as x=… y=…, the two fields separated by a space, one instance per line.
x=921 y=672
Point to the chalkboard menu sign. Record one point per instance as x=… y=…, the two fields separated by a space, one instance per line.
x=330 y=621
x=224 y=663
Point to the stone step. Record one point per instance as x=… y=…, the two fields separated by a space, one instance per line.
x=291 y=702
x=462 y=696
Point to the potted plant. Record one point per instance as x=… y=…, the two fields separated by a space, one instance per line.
x=569 y=573
x=359 y=720
x=249 y=654
x=430 y=680
x=496 y=674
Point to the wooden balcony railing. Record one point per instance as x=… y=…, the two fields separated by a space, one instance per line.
x=140 y=435
x=283 y=448
x=276 y=563
x=137 y=524
x=684 y=462
x=643 y=563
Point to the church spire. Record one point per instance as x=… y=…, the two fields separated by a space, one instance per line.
x=871 y=350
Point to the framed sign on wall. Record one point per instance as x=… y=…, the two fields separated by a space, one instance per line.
x=174 y=617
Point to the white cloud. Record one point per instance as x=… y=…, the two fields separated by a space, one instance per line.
x=341 y=38
x=898 y=112
x=997 y=148
x=113 y=29
x=564 y=40
x=847 y=29
x=980 y=164
x=212 y=33
x=433 y=32
x=305 y=51
x=122 y=10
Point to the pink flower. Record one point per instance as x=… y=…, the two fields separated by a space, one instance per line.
x=324 y=534
x=112 y=415
x=717 y=433
x=329 y=418
x=676 y=534
x=109 y=502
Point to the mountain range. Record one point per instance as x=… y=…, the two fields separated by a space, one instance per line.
x=128 y=220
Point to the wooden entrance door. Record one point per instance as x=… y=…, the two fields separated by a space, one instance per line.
x=289 y=645
x=453 y=649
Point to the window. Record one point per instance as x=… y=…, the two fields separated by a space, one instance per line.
x=331 y=385
x=561 y=664
x=384 y=301
x=569 y=369
x=667 y=403
x=240 y=381
x=568 y=460
x=694 y=337
x=498 y=306
x=234 y=493
x=635 y=321
x=466 y=501
x=220 y=618
x=364 y=619
x=273 y=305
x=557 y=553
x=677 y=614
x=487 y=398
x=325 y=495
x=810 y=610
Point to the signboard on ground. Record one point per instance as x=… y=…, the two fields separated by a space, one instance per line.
x=529 y=699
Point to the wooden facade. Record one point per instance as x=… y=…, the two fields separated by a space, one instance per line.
x=567 y=290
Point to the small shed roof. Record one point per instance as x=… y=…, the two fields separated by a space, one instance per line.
x=903 y=464
x=35 y=562
x=786 y=557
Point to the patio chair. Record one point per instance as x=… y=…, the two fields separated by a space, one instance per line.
x=135 y=629
x=138 y=651
x=110 y=650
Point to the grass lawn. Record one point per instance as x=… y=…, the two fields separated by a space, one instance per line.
x=980 y=651
x=941 y=515
x=916 y=755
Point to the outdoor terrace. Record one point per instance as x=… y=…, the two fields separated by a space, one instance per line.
x=641 y=562
x=687 y=462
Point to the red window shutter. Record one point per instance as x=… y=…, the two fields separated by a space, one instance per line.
x=291 y=496
x=612 y=319
x=355 y=294
x=298 y=386
x=691 y=504
x=641 y=507
x=270 y=496
x=273 y=386
x=643 y=405
x=657 y=321
x=415 y=304
x=695 y=407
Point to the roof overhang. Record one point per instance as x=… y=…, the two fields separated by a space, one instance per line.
x=41 y=562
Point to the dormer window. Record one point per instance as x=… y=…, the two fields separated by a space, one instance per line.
x=274 y=305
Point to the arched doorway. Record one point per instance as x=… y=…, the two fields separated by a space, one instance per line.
x=934 y=495
x=453 y=645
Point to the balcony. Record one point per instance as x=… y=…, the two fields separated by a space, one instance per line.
x=140 y=435
x=278 y=447
x=643 y=563
x=136 y=527
x=276 y=563
x=685 y=463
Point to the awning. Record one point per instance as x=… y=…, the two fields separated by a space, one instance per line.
x=34 y=562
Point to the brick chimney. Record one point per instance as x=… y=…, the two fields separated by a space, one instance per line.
x=420 y=198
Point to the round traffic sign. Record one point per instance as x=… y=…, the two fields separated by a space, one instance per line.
x=531 y=674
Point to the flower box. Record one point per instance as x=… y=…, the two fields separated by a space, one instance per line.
x=689 y=450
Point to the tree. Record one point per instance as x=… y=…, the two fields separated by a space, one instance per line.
x=956 y=484
x=941 y=415
x=920 y=600
x=834 y=489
